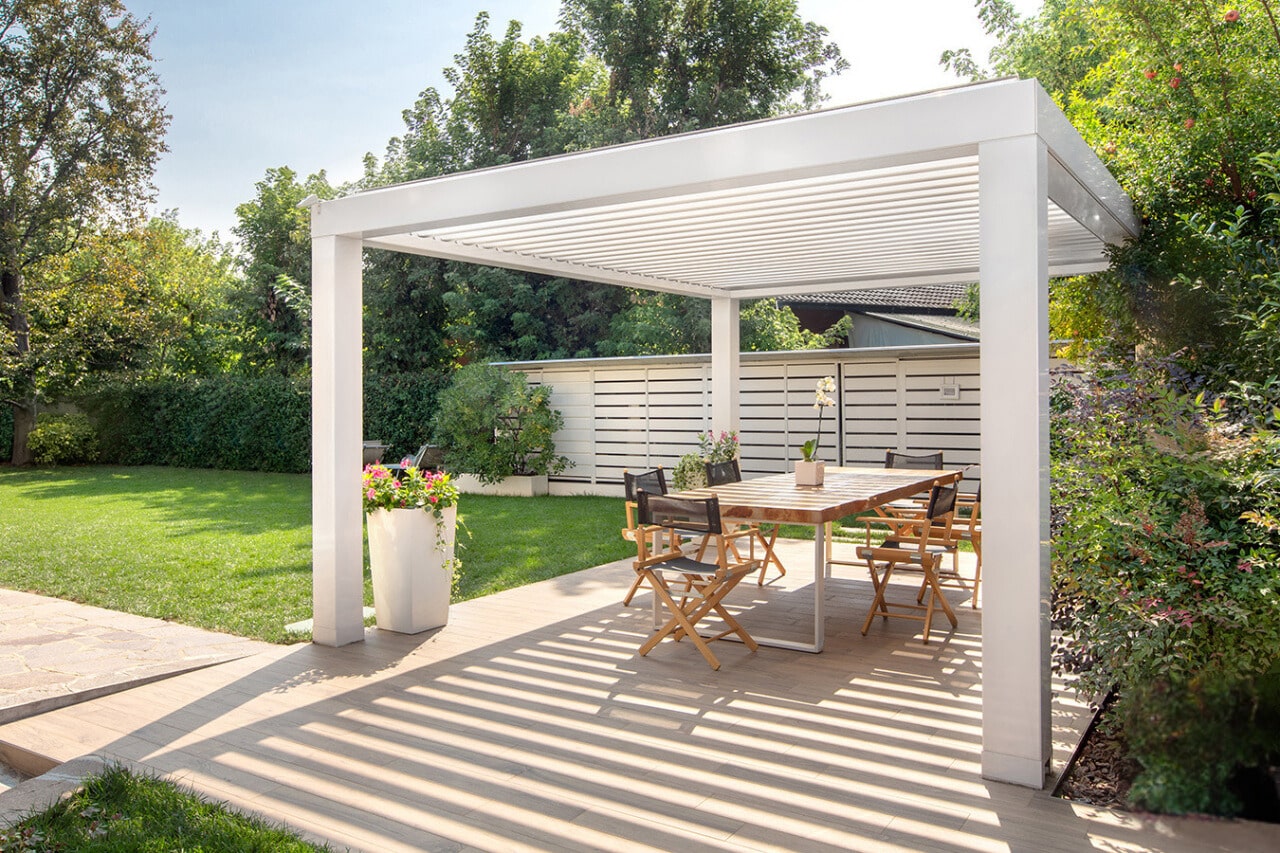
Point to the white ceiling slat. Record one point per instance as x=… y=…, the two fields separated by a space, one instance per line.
x=888 y=181
x=615 y=218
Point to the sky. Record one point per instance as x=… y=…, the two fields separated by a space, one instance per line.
x=316 y=84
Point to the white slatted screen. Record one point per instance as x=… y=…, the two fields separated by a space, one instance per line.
x=640 y=412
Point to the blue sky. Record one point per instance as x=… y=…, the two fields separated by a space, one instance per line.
x=315 y=84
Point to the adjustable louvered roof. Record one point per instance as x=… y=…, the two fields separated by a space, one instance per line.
x=870 y=195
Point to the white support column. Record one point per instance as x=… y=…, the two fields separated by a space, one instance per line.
x=725 y=359
x=337 y=420
x=1013 y=268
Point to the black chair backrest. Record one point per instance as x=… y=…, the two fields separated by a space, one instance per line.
x=654 y=482
x=942 y=500
x=689 y=515
x=719 y=473
x=924 y=462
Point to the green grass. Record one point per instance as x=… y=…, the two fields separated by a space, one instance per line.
x=118 y=811
x=231 y=550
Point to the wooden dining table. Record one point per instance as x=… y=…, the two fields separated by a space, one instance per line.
x=845 y=491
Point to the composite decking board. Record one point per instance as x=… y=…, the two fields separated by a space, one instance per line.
x=529 y=723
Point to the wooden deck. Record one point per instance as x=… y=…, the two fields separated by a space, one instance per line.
x=529 y=723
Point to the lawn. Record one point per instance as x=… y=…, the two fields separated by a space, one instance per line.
x=119 y=811
x=231 y=550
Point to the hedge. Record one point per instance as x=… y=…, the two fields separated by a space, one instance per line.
x=245 y=423
x=6 y=432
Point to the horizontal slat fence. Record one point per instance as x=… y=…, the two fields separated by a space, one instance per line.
x=641 y=412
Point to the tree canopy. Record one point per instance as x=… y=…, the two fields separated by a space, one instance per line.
x=613 y=72
x=1177 y=97
x=81 y=128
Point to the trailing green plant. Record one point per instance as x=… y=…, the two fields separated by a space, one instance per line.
x=1165 y=570
x=491 y=423
x=63 y=440
x=690 y=473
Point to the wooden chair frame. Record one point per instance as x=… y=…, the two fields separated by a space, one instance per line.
x=705 y=584
x=653 y=481
x=720 y=473
x=914 y=545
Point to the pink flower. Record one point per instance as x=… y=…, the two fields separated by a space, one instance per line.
x=434 y=499
x=371 y=494
x=1232 y=16
x=395 y=484
x=1150 y=74
x=406 y=462
x=1175 y=82
x=1188 y=124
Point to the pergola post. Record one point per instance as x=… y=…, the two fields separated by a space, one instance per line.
x=337 y=418
x=1014 y=270
x=725 y=358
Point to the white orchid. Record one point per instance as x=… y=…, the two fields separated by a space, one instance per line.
x=822 y=400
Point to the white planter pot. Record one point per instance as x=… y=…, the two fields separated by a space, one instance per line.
x=511 y=487
x=411 y=580
x=810 y=473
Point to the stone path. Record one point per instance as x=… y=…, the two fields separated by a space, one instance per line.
x=55 y=653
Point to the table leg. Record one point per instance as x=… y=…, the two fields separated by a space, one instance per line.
x=819 y=601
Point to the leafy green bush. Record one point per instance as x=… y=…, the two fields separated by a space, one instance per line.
x=6 y=433
x=490 y=423
x=235 y=423
x=690 y=473
x=398 y=408
x=1165 y=568
x=247 y=423
x=63 y=440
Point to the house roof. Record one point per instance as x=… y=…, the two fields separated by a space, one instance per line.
x=928 y=299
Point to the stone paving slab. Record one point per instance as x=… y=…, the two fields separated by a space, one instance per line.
x=55 y=653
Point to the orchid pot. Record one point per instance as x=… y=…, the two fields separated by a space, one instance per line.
x=810 y=473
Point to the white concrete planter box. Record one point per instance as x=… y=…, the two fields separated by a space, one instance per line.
x=412 y=579
x=810 y=473
x=511 y=487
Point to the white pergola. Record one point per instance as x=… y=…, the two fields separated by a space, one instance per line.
x=985 y=183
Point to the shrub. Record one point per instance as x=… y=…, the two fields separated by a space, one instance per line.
x=398 y=408
x=6 y=433
x=1165 y=566
x=690 y=473
x=227 y=422
x=63 y=440
x=490 y=423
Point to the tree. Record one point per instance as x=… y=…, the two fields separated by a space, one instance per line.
x=662 y=323
x=81 y=128
x=615 y=72
x=1177 y=97
x=143 y=302
x=275 y=235
x=679 y=66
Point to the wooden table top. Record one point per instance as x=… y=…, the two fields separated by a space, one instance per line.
x=845 y=491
